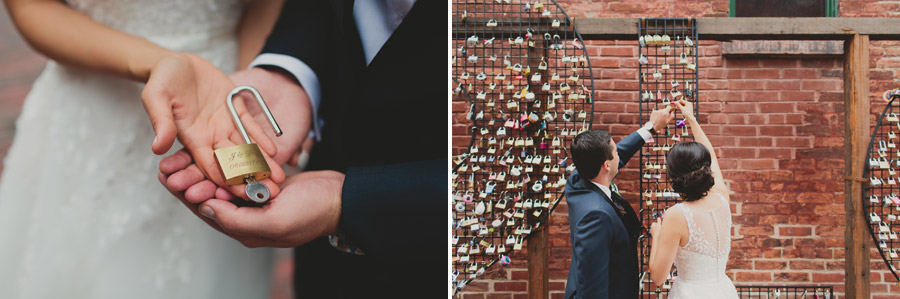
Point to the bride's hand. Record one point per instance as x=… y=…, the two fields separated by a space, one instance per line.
x=686 y=108
x=289 y=104
x=185 y=98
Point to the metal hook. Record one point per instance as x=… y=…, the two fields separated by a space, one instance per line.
x=262 y=104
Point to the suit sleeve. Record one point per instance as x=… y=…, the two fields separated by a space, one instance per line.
x=592 y=239
x=629 y=145
x=388 y=209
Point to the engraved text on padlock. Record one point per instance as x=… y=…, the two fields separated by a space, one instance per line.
x=240 y=160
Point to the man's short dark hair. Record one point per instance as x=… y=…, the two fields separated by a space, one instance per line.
x=590 y=150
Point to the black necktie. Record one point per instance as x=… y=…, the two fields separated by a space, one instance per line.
x=619 y=203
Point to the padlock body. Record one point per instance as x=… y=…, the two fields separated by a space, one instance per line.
x=242 y=160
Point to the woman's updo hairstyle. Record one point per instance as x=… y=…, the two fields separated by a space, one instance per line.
x=687 y=166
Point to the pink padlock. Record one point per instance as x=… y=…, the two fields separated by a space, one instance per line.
x=504 y=261
x=468 y=198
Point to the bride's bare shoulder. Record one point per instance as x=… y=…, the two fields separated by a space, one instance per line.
x=674 y=214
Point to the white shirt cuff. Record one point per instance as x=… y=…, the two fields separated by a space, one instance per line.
x=645 y=133
x=307 y=78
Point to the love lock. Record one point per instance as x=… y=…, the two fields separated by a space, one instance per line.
x=460 y=207
x=538 y=186
x=504 y=260
x=245 y=163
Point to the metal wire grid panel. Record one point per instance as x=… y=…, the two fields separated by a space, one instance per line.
x=526 y=72
x=785 y=292
x=668 y=72
x=881 y=191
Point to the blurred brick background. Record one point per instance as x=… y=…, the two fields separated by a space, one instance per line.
x=778 y=127
x=19 y=66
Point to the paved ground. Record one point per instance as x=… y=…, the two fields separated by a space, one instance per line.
x=19 y=66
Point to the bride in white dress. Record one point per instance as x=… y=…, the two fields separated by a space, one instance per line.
x=82 y=214
x=695 y=234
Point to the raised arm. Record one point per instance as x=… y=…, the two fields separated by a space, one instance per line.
x=632 y=143
x=687 y=109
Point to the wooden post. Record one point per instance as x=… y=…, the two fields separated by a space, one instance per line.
x=538 y=263
x=538 y=243
x=856 y=140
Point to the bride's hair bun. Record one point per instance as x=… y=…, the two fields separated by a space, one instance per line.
x=687 y=167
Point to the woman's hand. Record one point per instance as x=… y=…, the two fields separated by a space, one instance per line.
x=185 y=98
x=686 y=108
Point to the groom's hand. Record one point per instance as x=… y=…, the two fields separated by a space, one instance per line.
x=308 y=207
x=185 y=98
x=289 y=105
x=660 y=118
x=209 y=187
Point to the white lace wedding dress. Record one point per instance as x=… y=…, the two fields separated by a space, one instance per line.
x=82 y=214
x=701 y=262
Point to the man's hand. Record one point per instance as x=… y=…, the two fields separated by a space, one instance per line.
x=289 y=105
x=288 y=102
x=661 y=117
x=308 y=207
x=185 y=98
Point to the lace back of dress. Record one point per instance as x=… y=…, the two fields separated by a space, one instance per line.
x=701 y=262
x=710 y=230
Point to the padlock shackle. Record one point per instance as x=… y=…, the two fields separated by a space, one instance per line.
x=262 y=104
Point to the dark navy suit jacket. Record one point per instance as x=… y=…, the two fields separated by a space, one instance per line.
x=604 y=245
x=381 y=130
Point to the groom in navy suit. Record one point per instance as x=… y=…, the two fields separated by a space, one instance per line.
x=604 y=228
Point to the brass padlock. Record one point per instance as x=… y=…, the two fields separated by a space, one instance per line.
x=245 y=163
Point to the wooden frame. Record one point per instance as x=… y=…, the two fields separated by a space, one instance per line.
x=856 y=34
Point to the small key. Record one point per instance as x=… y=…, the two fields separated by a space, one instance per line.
x=256 y=191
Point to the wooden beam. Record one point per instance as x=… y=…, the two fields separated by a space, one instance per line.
x=797 y=28
x=783 y=48
x=856 y=141
x=539 y=263
x=508 y=25
x=607 y=28
x=753 y=28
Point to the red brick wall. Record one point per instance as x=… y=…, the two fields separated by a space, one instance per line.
x=778 y=127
